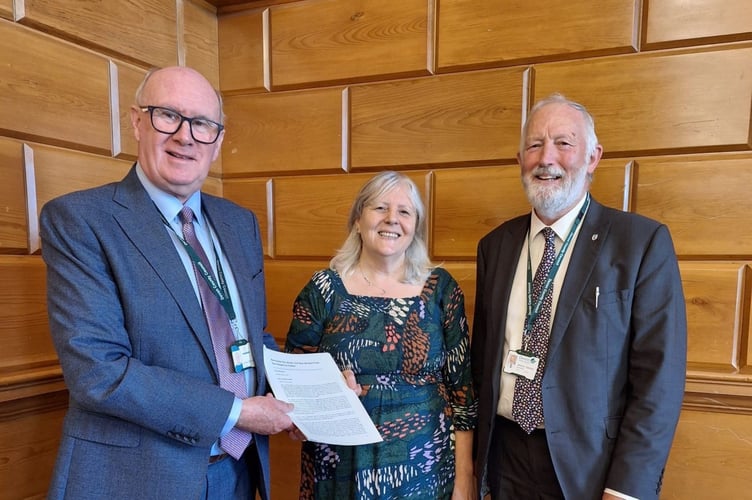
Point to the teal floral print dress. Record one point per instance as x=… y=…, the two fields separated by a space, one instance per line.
x=411 y=357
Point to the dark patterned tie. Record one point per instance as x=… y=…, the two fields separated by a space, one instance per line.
x=235 y=441
x=527 y=406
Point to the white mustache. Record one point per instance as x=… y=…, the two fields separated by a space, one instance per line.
x=548 y=172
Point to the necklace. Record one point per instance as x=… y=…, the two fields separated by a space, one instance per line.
x=383 y=290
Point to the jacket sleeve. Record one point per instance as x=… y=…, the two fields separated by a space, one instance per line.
x=123 y=342
x=657 y=372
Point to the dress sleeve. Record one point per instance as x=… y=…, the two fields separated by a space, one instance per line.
x=308 y=316
x=457 y=373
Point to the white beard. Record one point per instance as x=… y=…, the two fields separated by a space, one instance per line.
x=554 y=200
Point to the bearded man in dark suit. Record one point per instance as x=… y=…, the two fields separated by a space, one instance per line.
x=579 y=398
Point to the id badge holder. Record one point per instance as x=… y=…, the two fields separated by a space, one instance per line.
x=241 y=355
x=522 y=363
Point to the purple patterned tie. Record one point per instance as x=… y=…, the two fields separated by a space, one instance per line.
x=527 y=406
x=236 y=441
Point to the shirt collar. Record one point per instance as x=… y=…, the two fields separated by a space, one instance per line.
x=562 y=226
x=167 y=203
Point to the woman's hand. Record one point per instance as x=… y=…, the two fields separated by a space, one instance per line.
x=353 y=384
x=296 y=434
x=464 y=487
x=464 y=478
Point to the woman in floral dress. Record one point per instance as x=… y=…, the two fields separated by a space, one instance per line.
x=385 y=312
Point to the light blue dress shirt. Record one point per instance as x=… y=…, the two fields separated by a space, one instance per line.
x=170 y=207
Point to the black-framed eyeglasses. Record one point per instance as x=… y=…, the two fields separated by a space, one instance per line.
x=168 y=121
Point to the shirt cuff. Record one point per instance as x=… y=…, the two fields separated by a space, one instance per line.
x=620 y=495
x=232 y=419
x=234 y=416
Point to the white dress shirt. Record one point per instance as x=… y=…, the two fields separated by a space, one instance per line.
x=517 y=309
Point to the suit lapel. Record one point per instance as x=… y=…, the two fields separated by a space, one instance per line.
x=594 y=231
x=507 y=255
x=141 y=223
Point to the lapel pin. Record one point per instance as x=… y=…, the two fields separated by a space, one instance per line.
x=595 y=236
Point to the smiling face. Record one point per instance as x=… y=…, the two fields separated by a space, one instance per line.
x=555 y=164
x=387 y=224
x=176 y=163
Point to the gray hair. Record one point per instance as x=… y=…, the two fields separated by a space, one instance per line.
x=417 y=263
x=591 y=140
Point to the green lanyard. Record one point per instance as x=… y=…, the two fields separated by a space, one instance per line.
x=220 y=290
x=534 y=310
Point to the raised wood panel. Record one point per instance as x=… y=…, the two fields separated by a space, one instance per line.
x=144 y=31
x=679 y=22
x=284 y=132
x=715 y=331
x=285 y=467
x=310 y=213
x=721 y=392
x=53 y=92
x=127 y=80
x=669 y=102
x=612 y=183
x=6 y=9
x=284 y=281
x=60 y=171
x=200 y=48
x=705 y=202
x=29 y=438
x=472 y=117
x=493 y=32
x=241 y=52
x=30 y=188
x=200 y=39
x=342 y=40
x=213 y=185
x=14 y=234
x=470 y=202
x=253 y=195
x=23 y=317
x=227 y=6
x=710 y=457
x=746 y=320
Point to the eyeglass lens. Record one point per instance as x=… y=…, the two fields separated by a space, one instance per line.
x=168 y=121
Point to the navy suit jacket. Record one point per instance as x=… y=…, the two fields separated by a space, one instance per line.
x=145 y=404
x=614 y=378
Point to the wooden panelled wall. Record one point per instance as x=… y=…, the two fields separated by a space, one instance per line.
x=320 y=94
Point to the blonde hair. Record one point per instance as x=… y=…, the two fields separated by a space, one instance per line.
x=417 y=263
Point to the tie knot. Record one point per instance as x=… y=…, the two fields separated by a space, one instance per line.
x=186 y=215
x=548 y=234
